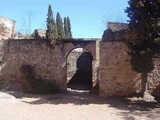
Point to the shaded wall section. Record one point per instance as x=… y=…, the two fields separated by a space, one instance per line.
x=47 y=60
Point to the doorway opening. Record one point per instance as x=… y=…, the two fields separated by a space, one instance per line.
x=79 y=70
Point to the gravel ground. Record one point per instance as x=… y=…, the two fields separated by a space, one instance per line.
x=74 y=105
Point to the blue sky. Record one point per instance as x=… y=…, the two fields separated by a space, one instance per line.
x=88 y=17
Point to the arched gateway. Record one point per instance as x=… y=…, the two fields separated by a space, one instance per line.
x=84 y=77
x=89 y=47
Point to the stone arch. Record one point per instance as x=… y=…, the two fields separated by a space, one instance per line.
x=84 y=50
x=89 y=45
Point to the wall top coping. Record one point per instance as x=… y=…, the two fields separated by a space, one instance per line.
x=63 y=40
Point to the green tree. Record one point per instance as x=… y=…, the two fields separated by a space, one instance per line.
x=145 y=21
x=51 y=32
x=69 y=28
x=65 y=28
x=59 y=24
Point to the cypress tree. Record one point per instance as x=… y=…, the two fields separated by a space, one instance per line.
x=65 y=28
x=145 y=21
x=69 y=33
x=59 y=24
x=51 y=32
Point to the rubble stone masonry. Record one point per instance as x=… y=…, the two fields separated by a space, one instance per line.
x=48 y=62
x=117 y=78
x=7 y=28
x=113 y=70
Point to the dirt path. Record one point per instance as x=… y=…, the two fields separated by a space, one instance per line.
x=75 y=106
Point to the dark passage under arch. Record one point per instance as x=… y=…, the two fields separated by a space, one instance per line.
x=81 y=77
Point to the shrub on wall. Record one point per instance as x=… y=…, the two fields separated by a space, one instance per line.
x=36 y=85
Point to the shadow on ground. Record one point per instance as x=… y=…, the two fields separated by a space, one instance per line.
x=128 y=107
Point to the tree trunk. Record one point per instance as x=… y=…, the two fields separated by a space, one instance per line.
x=144 y=83
x=145 y=94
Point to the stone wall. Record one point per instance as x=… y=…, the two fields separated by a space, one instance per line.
x=154 y=79
x=116 y=26
x=7 y=28
x=110 y=59
x=117 y=78
x=116 y=75
x=39 y=34
x=47 y=60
